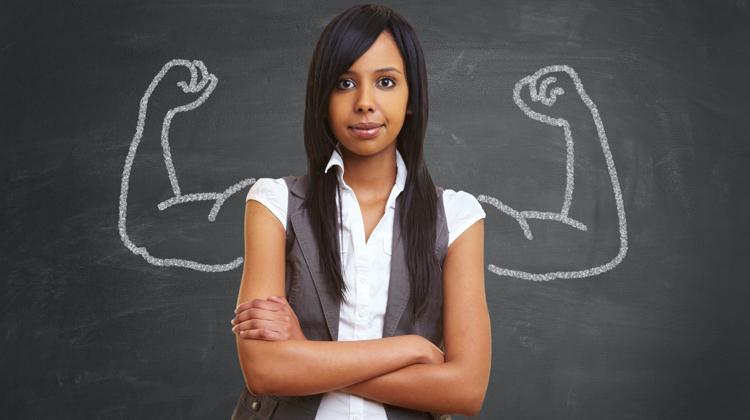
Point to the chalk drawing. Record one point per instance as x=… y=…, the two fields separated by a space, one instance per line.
x=540 y=94
x=548 y=99
x=208 y=81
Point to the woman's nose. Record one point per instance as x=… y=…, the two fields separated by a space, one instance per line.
x=365 y=100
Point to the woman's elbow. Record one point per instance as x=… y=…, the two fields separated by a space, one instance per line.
x=473 y=407
x=256 y=383
x=471 y=404
x=251 y=363
x=255 y=387
x=471 y=398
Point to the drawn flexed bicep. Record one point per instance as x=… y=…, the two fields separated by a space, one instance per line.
x=538 y=96
x=201 y=83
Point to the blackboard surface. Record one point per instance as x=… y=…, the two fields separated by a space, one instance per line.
x=656 y=327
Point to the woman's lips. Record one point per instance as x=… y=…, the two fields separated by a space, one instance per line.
x=366 y=130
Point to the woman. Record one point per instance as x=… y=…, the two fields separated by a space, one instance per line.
x=379 y=267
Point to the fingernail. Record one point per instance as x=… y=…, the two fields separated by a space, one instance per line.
x=232 y=321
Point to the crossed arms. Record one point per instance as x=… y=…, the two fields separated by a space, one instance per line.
x=406 y=371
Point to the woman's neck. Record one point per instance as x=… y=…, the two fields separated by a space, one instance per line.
x=370 y=176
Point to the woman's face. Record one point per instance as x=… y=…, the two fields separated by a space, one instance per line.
x=368 y=106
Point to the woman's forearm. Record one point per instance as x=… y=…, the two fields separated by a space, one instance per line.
x=447 y=388
x=301 y=367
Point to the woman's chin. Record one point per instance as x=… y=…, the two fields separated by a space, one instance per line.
x=366 y=147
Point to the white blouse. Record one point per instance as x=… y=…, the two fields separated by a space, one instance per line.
x=366 y=268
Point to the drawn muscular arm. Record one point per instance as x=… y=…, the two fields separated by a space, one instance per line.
x=301 y=367
x=542 y=98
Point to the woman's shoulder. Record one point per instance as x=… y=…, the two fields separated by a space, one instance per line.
x=270 y=187
x=272 y=193
x=461 y=211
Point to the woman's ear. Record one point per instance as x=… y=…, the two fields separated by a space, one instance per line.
x=408 y=108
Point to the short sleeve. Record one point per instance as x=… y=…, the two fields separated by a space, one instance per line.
x=272 y=193
x=462 y=210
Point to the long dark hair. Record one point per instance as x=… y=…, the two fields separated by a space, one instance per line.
x=344 y=40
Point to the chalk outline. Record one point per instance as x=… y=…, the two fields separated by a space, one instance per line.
x=541 y=96
x=521 y=216
x=193 y=87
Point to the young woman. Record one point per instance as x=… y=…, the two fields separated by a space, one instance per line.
x=358 y=271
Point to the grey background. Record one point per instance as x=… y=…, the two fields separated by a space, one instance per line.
x=90 y=330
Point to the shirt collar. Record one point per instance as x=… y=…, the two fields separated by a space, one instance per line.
x=337 y=160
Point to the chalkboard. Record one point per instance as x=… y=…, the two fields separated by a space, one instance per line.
x=616 y=195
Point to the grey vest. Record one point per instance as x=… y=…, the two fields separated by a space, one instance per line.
x=318 y=314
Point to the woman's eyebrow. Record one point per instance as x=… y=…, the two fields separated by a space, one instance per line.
x=384 y=70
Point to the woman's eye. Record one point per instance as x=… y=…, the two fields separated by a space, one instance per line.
x=345 y=84
x=387 y=82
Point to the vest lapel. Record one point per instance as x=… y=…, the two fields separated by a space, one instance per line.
x=398 y=289
x=308 y=244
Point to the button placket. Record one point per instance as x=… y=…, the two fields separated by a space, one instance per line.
x=356 y=407
x=361 y=257
x=366 y=279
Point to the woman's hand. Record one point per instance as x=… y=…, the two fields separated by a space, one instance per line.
x=271 y=320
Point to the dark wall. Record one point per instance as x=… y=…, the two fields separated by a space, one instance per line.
x=644 y=314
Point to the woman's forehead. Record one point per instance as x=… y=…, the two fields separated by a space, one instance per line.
x=382 y=57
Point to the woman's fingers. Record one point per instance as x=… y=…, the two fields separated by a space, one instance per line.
x=267 y=335
x=277 y=328
x=258 y=324
x=292 y=323
x=274 y=315
x=255 y=318
x=259 y=304
x=260 y=314
x=257 y=308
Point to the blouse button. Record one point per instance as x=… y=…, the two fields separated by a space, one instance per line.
x=362 y=312
x=256 y=405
